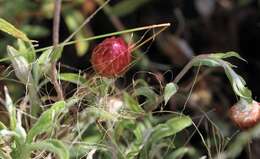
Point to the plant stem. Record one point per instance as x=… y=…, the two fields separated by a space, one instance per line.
x=109 y=34
x=55 y=38
x=187 y=67
x=183 y=72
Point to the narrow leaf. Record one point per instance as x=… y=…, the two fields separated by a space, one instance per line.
x=73 y=78
x=169 y=91
x=52 y=145
x=56 y=53
x=10 y=29
x=132 y=103
x=171 y=127
x=20 y=64
x=46 y=121
x=43 y=64
x=10 y=108
x=227 y=55
x=26 y=50
x=151 y=97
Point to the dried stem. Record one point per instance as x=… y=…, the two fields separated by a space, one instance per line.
x=55 y=38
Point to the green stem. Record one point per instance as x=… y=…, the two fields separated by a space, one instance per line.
x=108 y=35
x=188 y=67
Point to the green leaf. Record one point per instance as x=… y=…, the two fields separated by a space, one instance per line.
x=10 y=29
x=169 y=90
x=19 y=128
x=73 y=78
x=51 y=145
x=121 y=126
x=102 y=114
x=227 y=55
x=46 y=121
x=10 y=108
x=140 y=82
x=180 y=152
x=27 y=51
x=127 y=6
x=142 y=134
x=151 y=97
x=20 y=64
x=35 y=31
x=171 y=127
x=132 y=103
x=42 y=65
x=56 y=53
x=238 y=84
x=81 y=47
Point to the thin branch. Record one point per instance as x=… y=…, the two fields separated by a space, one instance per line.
x=55 y=38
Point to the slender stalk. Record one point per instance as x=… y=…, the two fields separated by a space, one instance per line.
x=187 y=67
x=183 y=72
x=55 y=38
x=108 y=35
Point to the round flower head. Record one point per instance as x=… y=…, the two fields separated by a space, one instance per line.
x=244 y=115
x=111 y=57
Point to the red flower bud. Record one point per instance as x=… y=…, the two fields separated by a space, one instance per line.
x=245 y=115
x=111 y=57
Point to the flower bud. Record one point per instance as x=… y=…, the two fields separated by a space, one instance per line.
x=111 y=58
x=244 y=114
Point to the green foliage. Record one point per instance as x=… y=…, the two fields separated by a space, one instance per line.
x=170 y=127
x=73 y=78
x=51 y=145
x=132 y=103
x=10 y=29
x=169 y=90
x=11 y=109
x=26 y=50
x=83 y=124
x=151 y=97
x=56 y=53
x=216 y=60
x=20 y=64
x=46 y=121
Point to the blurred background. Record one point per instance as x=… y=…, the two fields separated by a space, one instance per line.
x=197 y=27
